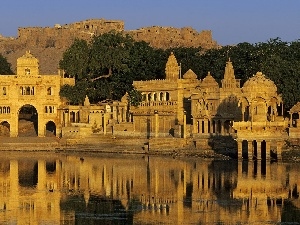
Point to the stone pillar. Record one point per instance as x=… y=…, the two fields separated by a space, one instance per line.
x=200 y=126
x=14 y=125
x=240 y=169
x=258 y=169
x=41 y=129
x=115 y=113
x=258 y=150
x=240 y=149
x=67 y=118
x=104 y=123
x=250 y=150
x=222 y=128
x=211 y=126
x=268 y=150
x=195 y=126
x=184 y=125
x=13 y=202
x=156 y=123
x=206 y=126
x=279 y=150
x=41 y=185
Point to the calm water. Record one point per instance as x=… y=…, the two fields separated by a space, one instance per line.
x=45 y=188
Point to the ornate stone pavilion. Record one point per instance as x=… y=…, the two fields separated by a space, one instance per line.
x=262 y=129
x=199 y=110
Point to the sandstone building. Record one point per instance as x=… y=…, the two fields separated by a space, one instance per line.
x=29 y=95
x=179 y=111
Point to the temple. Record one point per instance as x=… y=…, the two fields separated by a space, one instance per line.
x=178 y=112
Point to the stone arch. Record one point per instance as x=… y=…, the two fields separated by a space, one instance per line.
x=245 y=108
x=27 y=121
x=4 y=129
x=50 y=129
x=259 y=109
x=227 y=126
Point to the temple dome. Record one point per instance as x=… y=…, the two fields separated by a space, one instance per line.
x=260 y=85
x=190 y=75
x=209 y=81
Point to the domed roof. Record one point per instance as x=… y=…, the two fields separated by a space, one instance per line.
x=190 y=75
x=209 y=81
x=259 y=84
x=27 y=58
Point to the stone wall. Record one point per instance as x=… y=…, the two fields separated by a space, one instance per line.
x=49 y=43
x=169 y=37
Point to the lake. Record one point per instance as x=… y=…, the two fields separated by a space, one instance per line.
x=48 y=188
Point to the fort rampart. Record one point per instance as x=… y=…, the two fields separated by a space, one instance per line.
x=49 y=43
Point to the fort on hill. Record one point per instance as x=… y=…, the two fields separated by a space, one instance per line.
x=49 y=43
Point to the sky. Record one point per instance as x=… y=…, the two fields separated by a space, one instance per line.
x=231 y=21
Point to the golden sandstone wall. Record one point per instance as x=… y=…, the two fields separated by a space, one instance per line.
x=48 y=43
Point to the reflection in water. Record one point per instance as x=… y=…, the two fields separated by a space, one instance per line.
x=98 y=189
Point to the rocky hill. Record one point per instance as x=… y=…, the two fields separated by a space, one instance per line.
x=49 y=43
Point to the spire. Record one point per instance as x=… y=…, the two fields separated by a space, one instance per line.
x=229 y=82
x=86 y=101
x=172 y=68
x=229 y=71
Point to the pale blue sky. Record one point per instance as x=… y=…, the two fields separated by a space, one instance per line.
x=231 y=21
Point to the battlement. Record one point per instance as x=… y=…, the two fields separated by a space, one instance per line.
x=61 y=36
x=163 y=37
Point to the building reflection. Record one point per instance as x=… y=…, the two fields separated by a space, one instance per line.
x=52 y=190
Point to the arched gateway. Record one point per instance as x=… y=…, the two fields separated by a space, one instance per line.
x=30 y=96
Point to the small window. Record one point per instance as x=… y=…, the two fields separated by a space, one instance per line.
x=49 y=91
x=4 y=90
x=27 y=71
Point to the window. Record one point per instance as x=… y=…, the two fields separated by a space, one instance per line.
x=4 y=90
x=49 y=91
x=27 y=71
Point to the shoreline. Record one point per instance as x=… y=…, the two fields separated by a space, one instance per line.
x=109 y=146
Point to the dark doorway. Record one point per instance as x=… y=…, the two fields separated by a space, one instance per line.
x=50 y=129
x=4 y=129
x=28 y=121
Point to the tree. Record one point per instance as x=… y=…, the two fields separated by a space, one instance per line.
x=75 y=59
x=107 y=66
x=5 y=67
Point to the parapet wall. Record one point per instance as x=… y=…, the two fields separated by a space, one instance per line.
x=61 y=36
x=49 y=43
x=168 y=37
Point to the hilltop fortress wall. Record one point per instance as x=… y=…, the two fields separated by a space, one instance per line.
x=61 y=36
x=49 y=43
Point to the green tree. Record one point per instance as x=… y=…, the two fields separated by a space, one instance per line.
x=75 y=59
x=107 y=66
x=5 y=67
